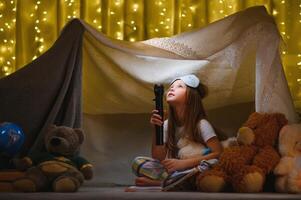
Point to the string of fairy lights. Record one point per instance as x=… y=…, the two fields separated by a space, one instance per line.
x=28 y=28
x=7 y=36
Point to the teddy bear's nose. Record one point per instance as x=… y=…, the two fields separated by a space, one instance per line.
x=55 y=141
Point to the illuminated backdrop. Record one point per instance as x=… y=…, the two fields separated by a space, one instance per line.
x=29 y=27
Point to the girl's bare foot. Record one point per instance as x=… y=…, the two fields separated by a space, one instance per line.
x=143 y=181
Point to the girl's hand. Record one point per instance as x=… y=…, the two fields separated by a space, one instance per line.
x=156 y=119
x=172 y=165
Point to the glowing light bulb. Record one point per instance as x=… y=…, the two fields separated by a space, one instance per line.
x=192 y=8
x=135 y=7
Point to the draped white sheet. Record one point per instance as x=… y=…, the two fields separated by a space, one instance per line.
x=236 y=57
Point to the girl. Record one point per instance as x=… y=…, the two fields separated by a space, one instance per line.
x=186 y=122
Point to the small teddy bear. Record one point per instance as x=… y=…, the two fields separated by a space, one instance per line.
x=288 y=170
x=243 y=167
x=59 y=169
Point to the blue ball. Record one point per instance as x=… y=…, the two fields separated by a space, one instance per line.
x=11 y=138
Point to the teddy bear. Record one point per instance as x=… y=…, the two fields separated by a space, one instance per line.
x=244 y=167
x=288 y=170
x=57 y=169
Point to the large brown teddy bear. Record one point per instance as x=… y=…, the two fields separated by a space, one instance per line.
x=243 y=167
x=59 y=169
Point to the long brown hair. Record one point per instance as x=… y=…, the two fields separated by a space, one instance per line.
x=193 y=113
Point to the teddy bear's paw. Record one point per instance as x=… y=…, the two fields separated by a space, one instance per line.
x=294 y=182
x=24 y=185
x=66 y=184
x=252 y=182
x=53 y=168
x=211 y=183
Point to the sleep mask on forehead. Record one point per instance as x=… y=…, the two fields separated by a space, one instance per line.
x=189 y=80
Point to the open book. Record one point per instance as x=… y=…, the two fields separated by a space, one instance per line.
x=178 y=179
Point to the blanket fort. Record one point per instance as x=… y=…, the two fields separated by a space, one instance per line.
x=88 y=77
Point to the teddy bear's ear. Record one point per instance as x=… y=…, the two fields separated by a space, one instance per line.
x=253 y=120
x=80 y=135
x=51 y=127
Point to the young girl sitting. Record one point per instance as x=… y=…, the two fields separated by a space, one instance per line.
x=186 y=125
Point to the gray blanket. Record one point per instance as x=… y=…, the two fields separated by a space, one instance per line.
x=47 y=90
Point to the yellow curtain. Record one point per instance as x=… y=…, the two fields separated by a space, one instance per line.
x=29 y=27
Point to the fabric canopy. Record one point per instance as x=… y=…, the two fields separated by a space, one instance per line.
x=112 y=82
